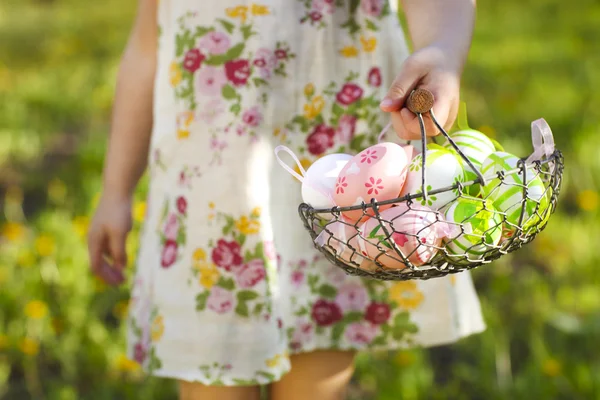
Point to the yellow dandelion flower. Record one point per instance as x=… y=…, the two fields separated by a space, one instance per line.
x=209 y=275
x=4 y=342
x=44 y=245
x=305 y=162
x=257 y=9
x=406 y=295
x=552 y=367
x=14 y=195
x=139 y=211
x=36 y=309
x=29 y=346
x=314 y=108
x=309 y=90
x=120 y=309
x=247 y=226
x=13 y=231
x=199 y=254
x=404 y=358
x=26 y=258
x=368 y=44
x=57 y=190
x=175 y=74
x=588 y=200
x=81 y=225
x=273 y=362
x=349 y=51
x=125 y=364
x=240 y=12
x=256 y=212
x=157 y=329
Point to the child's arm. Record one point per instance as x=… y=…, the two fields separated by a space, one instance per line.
x=128 y=147
x=441 y=33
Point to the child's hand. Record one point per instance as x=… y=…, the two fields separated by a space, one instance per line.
x=433 y=69
x=106 y=239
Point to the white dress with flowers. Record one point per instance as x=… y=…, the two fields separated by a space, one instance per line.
x=228 y=283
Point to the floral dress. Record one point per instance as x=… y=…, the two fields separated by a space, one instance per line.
x=228 y=283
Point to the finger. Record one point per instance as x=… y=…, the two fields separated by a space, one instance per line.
x=118 y=253
x=96 y=242
x=404 y=83
x=109 y=274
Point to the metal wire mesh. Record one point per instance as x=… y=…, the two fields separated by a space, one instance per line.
x=402 y=239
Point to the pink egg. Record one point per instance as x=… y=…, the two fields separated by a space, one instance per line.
x=340 y=238
x=418 y=232
x=377 y=172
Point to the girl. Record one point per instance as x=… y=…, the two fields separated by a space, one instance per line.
x=229 y=292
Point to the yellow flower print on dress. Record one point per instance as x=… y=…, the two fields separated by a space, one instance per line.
x=209 y=274
x=256 y=212
x=199 y=255
x=309 y=90
x=273 y=362
x=175 y=74
x=349 y=51
x=158 y=328
x=247 y=226
x=184 y=120
x=257 y=9
x=368 y=44
x=314 y=108
x=406 y=295
x=240 y=12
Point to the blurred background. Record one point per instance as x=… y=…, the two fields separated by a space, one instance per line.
x=61 y=331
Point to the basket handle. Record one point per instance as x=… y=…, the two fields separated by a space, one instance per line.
x=542 y=139
x=420 y=102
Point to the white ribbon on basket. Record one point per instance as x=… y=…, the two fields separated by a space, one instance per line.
x=542 y=140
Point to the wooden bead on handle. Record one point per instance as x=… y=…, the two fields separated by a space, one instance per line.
x=420 y=101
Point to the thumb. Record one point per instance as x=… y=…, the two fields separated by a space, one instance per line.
x=404 y=83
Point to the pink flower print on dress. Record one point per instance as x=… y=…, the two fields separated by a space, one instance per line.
x=265 y=60
x=297 y=279
x=193 y=60
x=369 y=156
x=237 y=72
x=361 y=333
x=252 y=116
x=215 y=42
x=372 y=7
x=227 y=255
x=217 y=145
x=374 y=185
x=251 y=274
x=139 y=353
x=281 y=54
x=374 y=77
x=240 y=130
x=320 y=140
x=171 y=227
x=378 y=313
x=346 y=128
x=220 y=300
x=169 y=254
x=211 y=110
x=315 y=16
x=352 y=297
x=349 y=94
x=209 y=81
x=341 y=185
x=181 y=205
x=269 y=250
x=303 y=334
x=324 y=6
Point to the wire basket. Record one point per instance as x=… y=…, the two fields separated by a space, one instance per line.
x=411 y=241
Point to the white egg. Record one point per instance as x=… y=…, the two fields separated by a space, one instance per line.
x=320 y=178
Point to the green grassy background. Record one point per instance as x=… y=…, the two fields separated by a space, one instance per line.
x=61 y=335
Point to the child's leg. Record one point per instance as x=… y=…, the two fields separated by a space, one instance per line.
x=322 y=375
x=198 y=391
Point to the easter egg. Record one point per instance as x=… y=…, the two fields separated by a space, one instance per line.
x=481 y=227
x=415 y=230
x=476 y=146
x=507 y=194
x=320 y=179
x=378 y=172
x=443 y=169
x=340 y=238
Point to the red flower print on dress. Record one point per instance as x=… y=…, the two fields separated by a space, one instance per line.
x=378 y=313
x=250 y=274
x=139 y=353
x=227 y=255
x=361 y=333
x=352 y=297
x=369 y=156
x=346 y=128
x=252 y=116
x=320 y=139
x=281 y=54
x=237 y=71
x=181 y=204
x=372 y=7
x=193 y=60
x=220 y=300
x=374 y=77
x=326 y=313
x=210 y=81
x=341 y=185
x=171 y=227
x=374 y=185
x=169 y=254
x=349 y=93
x=399 y=238
x=315 y=16
x=214 y=42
